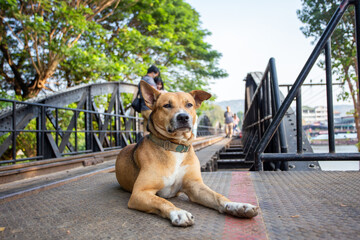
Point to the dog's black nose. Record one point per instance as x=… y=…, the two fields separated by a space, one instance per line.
x=182 y=118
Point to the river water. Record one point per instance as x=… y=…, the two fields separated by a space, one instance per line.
x=337 y=165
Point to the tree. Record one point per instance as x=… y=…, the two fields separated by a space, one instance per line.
x=164 y=32
x=36 y=36
x=215 y=114
x=315 y=14
x=55 y=44
x=240 y=114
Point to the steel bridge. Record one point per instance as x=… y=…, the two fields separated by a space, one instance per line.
x=88 y=125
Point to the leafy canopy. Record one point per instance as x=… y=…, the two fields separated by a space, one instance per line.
x=51 y=44
x=315 y=14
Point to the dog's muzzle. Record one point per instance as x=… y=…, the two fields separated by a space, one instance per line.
x=181 y=121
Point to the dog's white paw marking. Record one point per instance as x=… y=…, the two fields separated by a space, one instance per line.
x=181 y=218
x=244 y=210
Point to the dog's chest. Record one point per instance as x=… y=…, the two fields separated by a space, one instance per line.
x=173 y=183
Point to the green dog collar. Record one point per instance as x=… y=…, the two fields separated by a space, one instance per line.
x=167 y=145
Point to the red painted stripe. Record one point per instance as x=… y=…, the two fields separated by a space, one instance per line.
x=242 y=190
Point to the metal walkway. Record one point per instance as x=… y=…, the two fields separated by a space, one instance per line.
x=294 y=205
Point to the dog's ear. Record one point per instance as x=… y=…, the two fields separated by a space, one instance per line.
x=199 y=96
x=149 y=94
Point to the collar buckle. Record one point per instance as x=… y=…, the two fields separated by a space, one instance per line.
x=166 y=145
x=185 y=149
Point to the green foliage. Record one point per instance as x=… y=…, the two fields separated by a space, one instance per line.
x=315 y=15
x=216 y=114
x=55 y=44
x=50 y=45
x=240 y=114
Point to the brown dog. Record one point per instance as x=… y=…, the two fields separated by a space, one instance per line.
x=164 y=162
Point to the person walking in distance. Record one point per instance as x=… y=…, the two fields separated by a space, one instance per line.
x=152 y=73
x=236 y=123
x=229 y=121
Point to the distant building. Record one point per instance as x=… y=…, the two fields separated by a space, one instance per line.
x=345 y=123
x=317 y=117
x=311 y=115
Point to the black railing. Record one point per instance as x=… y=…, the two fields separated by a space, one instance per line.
x=262 y=101
x=52 y=130
x=269 y=127
x=84 y=119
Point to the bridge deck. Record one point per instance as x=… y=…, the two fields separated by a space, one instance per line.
x=301 y=205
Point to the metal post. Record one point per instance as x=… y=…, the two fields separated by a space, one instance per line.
x=88 y=122
x=357 y=36
x=117 y=119
x=43 y=127
x=267 y=102
x=262 y=106
x=275 y=83
x=301 y=78
x=329 y=96
x=258 y=113
x=57 y=126
x=111 y=132
x=14 y=132
x=299 y=122
x=76 y=142
x=38 y=134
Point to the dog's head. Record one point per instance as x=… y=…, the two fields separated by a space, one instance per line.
x=173 y=114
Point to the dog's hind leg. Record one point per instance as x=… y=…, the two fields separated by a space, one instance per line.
x=147 y=201
x=198 y=192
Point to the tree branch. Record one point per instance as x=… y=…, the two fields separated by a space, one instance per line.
x=12 y=31
x=109 y=14
x=32 y=60
x=100 y=8
x=18 y=81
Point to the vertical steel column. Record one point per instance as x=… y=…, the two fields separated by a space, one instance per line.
x=275 y=83
x=258 y=113
x=117 y=118
x=88 y=121
x=111 y=132
x=267 y=101
x=38 y=133
x=299 y=122
x=43 y=127
x=300 y=79
x=14 y=131
x=262 y=104
x=357 y=36
x=329 y=97
x=76 y=138
x=57 y=126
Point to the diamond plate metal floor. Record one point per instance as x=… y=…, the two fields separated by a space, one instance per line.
x=309 y=204
x=294 y=205
x=96 y=208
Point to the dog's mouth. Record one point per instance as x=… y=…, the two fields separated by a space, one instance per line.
x=179 y=129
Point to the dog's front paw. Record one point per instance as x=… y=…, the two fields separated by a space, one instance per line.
x=244 y=210
x=181 y=218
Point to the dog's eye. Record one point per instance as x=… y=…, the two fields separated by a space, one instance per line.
x=189 y=105
x=167 y=105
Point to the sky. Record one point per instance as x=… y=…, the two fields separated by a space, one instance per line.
x=248 y=34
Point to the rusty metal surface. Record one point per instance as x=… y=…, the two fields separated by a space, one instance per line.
x=309 y=204
x=96 y=208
